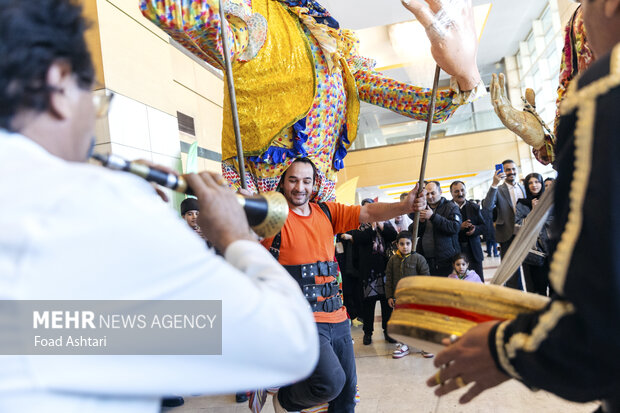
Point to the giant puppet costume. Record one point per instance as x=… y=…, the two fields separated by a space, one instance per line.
x=298 y=80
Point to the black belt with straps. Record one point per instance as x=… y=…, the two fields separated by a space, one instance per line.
x=327 y=306
x=312 y=291
x=304 y=274
x=309 y=271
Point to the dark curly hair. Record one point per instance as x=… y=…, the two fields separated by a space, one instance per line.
x=460 y=256
x=34 y=35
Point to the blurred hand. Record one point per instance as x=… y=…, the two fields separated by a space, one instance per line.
x=471 y=231
x=470 y=358
x=221 y=215
x=347 y=237
x=162 y=194
x=391 y=302
x=498 y=177
x=426 y=214
x=415 y=200
x=198 y=232
x=521 y=123
x=452 y=34
x=534 y=202
x=465 y=224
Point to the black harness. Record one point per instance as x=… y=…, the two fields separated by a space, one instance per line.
x=304 y=275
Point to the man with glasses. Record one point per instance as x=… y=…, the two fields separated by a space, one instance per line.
x=74 y=231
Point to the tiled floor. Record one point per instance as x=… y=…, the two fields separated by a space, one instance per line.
x=397 y=386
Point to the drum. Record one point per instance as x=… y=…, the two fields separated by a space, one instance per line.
x=429 y=309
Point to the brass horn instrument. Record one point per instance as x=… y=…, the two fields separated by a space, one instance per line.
x=266 y=212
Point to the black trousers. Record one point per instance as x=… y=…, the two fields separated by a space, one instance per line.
x=439 y=268
x=353 y=295
x=536 y=278
x=515 y=280
x=368 y=312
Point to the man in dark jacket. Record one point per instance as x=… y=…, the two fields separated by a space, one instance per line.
x=439 y=231
x=472 y=227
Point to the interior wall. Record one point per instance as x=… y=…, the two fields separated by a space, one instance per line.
x=447 y=156
x=152 y=80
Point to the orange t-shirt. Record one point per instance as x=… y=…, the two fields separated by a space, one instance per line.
x=306 y=240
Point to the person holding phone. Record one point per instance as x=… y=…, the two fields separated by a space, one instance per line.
x=502 y=199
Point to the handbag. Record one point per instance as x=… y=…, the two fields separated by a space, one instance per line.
x=536 y=256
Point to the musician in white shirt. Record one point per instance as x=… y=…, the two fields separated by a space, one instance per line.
x=70 y=230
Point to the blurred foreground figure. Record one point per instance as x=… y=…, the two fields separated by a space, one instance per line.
x=74 y=231
x=570 y=347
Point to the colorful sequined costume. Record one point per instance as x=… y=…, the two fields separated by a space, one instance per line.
x=576 y=58
x=298 y=81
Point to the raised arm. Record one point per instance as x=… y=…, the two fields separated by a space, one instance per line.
x=196 y=25
x=403 y=98
x=488 y=203
x=382 y=211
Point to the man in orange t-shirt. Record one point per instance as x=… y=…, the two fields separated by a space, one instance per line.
x=305 y=247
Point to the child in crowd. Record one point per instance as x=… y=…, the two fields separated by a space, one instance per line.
x=403 y=263
x=461 y=271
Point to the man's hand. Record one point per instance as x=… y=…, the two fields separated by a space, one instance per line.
x=391 y=302
x=521 y=123
x=471 y=231
x=452 y=34
x=415 y=200
x=498 y=177
x=346 y=236
x=470 y=359
x=198 y=232
x=221 y=217
x=465 y=225
x=426 y=214
x=245 y=192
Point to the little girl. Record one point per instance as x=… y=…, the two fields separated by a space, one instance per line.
x=460 y=265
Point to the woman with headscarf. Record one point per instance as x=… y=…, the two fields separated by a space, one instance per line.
x=536 y=264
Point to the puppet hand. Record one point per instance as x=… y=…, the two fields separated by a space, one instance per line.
x=449 y=25
x=521 y=123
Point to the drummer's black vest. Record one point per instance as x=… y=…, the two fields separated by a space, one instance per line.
x=304 y=275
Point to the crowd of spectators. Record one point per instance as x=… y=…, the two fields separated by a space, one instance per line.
x=450 y=239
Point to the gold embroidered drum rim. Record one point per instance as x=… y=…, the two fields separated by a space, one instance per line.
x=488 y=301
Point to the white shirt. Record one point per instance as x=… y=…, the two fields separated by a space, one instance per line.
x=404 y=223
x=515 y=194
x=79 y=231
